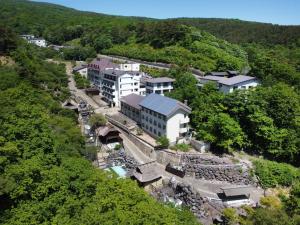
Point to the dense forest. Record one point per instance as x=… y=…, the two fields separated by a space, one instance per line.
x=39 y=140
x=44 y=178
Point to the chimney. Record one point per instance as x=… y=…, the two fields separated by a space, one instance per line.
x=185 y=102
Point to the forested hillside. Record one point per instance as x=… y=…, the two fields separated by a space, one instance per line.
x=44 y=178
x=238 y=31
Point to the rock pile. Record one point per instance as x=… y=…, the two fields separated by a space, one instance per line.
x=121 y=158
x=230 y=173
x=190 y=199
x=204 y=159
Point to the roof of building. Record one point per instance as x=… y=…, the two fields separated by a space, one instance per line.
x=229 y=81
x=104 y=130
x=236 y=191
x=222 y=74
x=79 y=67
x=160 y=80
x=146 y=172
x=133 y=100
x=163 y=105
x=70 y=104
x=120 y=72
x=103 y=64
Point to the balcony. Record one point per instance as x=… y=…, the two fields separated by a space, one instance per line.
x=183 y=130
x=185 y=120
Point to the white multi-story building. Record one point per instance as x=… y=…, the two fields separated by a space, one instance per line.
x=96 y=71
x=159 y=85
x=118 y=83
x=98 y=66
x=229 y=84
x=37 y=41
x=158 y=115
x=134 y=67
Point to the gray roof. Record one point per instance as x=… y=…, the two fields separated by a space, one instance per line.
x=229 y=81
x=236 y=191
x=102 y=64
x=133 y=100
x=218 y=73
x=163 y=105
x=160 y=80
x=146 y=172
x=224 y=74
x=120 y=72
x=79 y=67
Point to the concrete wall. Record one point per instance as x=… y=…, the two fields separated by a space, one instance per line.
x=200 y=146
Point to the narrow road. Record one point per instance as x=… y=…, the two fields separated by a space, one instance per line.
x=77 y=92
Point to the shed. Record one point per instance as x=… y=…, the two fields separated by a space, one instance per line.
x=108 y=134
x=146 y=174
x=235 y=193
x=70 y=104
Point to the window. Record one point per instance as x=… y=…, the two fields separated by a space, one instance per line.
x=154 y=122
x=150 y=120
x=164 y=127
x=159 y=134
x=159 y=117
x=159 y=125
x=155 y=114
x=154 y=131
x=146 y=126
x=150 y=129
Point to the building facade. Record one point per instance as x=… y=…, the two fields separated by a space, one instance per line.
x=131 y=108
x=117 y=84
x=96 y=71
x=158 y=115
x=228 y=85
x=159 y=86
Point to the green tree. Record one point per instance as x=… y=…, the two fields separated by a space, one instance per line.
x=223 y=132
x=97 y=120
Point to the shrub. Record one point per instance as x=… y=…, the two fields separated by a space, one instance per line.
x=181 y=147
x=117 y=147
x=97 y=120
x=272 y=174
x=163 y=142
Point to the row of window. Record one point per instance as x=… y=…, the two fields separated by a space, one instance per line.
x=152 y=130
x=166 y=84
x=154 y=122
x=155 y=114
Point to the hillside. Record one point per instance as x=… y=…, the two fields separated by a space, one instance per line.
x=238 y=31
x=181 y=41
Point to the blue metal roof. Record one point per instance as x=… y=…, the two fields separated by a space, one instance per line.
x=162 y=104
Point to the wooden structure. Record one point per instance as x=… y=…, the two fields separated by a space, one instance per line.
x=176 y=171
x=108 y=134
x=146 y=174
x=70 y=104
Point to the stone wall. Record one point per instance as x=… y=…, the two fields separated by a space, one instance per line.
x=236 y=174
x=147 y=149
x=204 y=159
